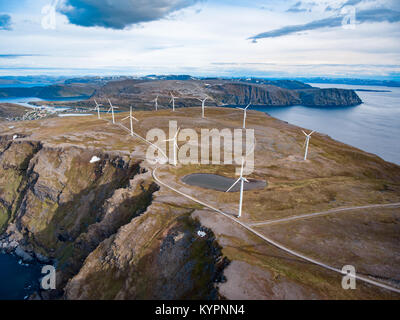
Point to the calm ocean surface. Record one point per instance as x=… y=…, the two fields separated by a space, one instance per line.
x=17 y=281
x=373 y=126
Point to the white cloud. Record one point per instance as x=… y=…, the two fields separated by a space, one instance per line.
x=197 y=39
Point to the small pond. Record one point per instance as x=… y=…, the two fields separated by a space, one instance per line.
x=220 y=183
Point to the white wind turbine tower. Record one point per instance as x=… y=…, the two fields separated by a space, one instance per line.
x=112 y=110
x=131 y=118
x=244 y=115
x=173 y=101
x=97 y=108
x=242 y=180
x=203 y=105
x=155 y=103
x=175 y=146
x=307 y=142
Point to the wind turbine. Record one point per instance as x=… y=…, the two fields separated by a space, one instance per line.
x=244 y=115
x=242 y=180
x=173 y=101
x=307 y=142
x=203 y=106
x=97 y=108
x=176 y=147
x=112 y=110
x=131 y=118
x=155 y=102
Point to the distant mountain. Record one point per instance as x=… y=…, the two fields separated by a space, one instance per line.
x=140 y=91
x=49 y=92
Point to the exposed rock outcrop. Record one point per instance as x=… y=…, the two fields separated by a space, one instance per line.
x=58 y=207
x=156 y=256
x=330 y=97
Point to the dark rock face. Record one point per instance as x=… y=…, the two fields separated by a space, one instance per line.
x=240 y=94
x=329 y=97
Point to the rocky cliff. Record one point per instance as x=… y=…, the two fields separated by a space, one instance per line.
x=57 y=206
x=271 y=93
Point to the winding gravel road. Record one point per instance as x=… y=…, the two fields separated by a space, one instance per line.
x=274 y=243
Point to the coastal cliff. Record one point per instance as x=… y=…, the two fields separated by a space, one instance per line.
x=58 y=207
x=329 y=97
x=140 y=93
x=224 y=92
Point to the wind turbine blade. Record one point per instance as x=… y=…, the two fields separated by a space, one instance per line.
x=125 y=118
x=245 y=180
x=305 y=141
x=248 y=106
x=240 y=108
x=311 y=132
x=135 y=119
x=304 y=133
x=236 y=182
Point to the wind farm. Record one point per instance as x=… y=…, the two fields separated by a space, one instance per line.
x=217 y=151
x=287 y=178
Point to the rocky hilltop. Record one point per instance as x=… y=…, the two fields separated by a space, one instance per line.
x=279 y=93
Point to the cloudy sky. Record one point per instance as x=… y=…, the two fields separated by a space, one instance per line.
x=272 y=38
